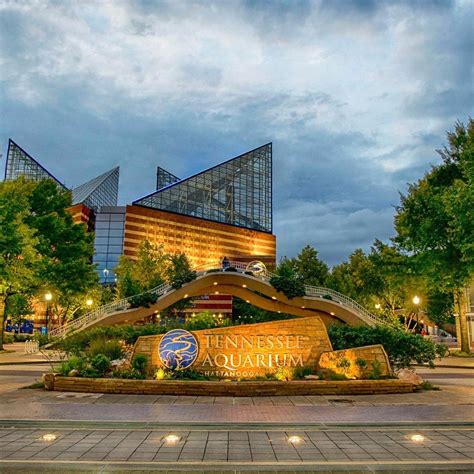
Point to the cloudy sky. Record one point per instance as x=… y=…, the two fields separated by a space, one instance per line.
x=356 y=96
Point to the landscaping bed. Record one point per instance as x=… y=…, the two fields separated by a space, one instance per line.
x=230 y=389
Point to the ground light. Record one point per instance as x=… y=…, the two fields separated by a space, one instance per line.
x=48 y=437
x=417 y=438
x=171 y=439
x=89 y=302
x=295 y=439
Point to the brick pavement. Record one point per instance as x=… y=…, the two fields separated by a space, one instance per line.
x=260 y=447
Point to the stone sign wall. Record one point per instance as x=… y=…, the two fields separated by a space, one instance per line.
x=245 y=351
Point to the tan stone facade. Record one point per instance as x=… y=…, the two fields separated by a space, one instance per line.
x=360 y=362
x=251 y=350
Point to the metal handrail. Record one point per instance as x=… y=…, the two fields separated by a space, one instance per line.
x=124 y=303
x=120 y=305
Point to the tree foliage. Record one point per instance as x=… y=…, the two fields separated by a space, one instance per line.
x=287 y=281
x=148 y=270
x=41 y=247
x=309 y=267
x=435 y=221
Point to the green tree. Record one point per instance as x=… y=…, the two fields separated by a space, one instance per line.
x=41 y=247
x=66 y=248
x=309 y=267
x=19 y=258
x=179 y=271
x=142 y=273
x=287 y=281
x=435 y=222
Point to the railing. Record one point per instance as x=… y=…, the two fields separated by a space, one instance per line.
x=124 y=304
x=326 y=293
x=120 y=305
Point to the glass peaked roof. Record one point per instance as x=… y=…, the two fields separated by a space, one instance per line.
x=164 y=178
x=99 y=191
x=20 y=163
x=236 y=192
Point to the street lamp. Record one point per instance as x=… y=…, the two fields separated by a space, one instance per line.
x=106 y=272
x=416 y=301
x=48 y=297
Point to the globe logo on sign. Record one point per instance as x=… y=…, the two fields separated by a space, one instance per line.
x=178 y=349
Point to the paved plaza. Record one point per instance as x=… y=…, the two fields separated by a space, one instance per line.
x=107 y=432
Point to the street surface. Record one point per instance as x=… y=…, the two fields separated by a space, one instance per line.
x=107 y=432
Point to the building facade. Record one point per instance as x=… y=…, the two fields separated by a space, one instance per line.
x=224 y=211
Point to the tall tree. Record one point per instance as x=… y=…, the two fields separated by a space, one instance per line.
x=309 y=267
x=19 y=258
x=435 y=222
x=41 y=247
x=146 y=271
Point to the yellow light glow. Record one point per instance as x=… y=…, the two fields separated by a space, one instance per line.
x=171 y=439
x=417 y=438
x=416 y=300
x=215 y=283
x=244 y=286
x=186 y=295
x=247 y=301
x=332 y=314
x=302 y=307
x=295 y=439
x=273 y=297
x=48 y=437
x=89 y=302
x=216 y=292
x=48 y=296
x=378 y=306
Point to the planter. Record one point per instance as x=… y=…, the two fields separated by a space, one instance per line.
x=228 y=389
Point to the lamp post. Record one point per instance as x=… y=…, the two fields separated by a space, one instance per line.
x=48 y=297
x=106 y=272
x=416 y=301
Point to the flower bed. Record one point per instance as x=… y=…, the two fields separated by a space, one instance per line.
x=229 y=389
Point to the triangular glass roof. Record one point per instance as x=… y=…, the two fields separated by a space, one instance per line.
x=164 y=178
x=99 y=191
x=20 y=163
x=236 y=192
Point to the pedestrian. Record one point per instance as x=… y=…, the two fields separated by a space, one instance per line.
x=225 y=264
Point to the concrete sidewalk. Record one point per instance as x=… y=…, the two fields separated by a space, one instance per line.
x=15 y=355
x=323 y=449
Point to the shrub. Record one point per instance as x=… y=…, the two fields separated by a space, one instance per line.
x=101 y=364
x=8 y=338
x=376 y=371
x=112 y=348
x=140 y=363
x=203 y=320
x=127 y=374
x=402 y=347
x=284 y=373
x=361 y=363
x=73 y=363
x=187 y=374
x=91 y=373
x=343 y=364
x=144 y=300
x=79 y=342
x=301 y=372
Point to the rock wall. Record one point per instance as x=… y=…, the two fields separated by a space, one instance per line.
x=360 y=362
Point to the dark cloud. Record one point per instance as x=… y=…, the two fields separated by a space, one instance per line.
x=355 y=96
